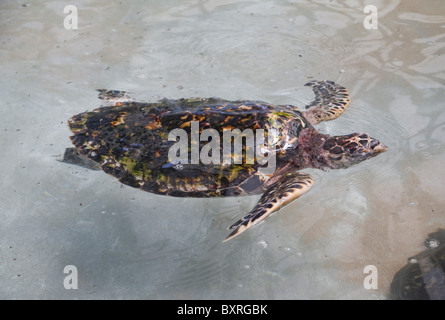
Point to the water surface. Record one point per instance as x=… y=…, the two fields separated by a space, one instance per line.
x=127 y=243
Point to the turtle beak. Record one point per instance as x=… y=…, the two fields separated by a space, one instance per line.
x=378 y=147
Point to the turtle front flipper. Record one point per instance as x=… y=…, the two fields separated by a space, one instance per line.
x=285 y=189
x=114 y=97
x=330 y=101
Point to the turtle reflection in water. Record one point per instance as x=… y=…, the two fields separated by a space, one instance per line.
x=423 y=278
x=129 y=140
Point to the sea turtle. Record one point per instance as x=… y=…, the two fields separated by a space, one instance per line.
x=423 y=278
x=132 y=141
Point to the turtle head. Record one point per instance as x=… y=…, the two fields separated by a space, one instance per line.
x=345 y=151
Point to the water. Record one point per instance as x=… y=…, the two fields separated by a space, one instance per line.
x=127 y=243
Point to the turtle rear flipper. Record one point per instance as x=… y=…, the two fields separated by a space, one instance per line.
x=330 y=101
x=286 y=189
x=114 y=97
x=73 y=156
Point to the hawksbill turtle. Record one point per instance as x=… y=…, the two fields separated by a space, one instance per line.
x=131 y=141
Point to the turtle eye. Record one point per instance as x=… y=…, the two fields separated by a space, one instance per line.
x=337 y=150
